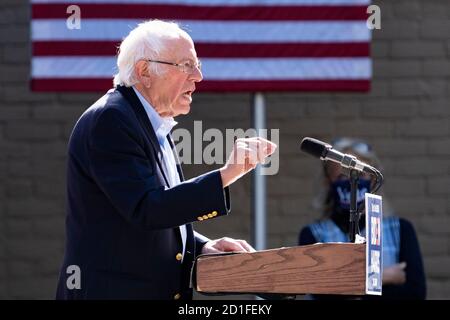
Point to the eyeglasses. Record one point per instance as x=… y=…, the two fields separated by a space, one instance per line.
x=357 y=146
x=186 y=66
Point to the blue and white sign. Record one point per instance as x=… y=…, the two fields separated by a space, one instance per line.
x=374 y=254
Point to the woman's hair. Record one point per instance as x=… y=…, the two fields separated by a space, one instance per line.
x=146 y=41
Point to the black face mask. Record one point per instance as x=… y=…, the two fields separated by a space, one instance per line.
x=340 y=191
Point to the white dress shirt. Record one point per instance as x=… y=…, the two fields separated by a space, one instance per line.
x=162 y=128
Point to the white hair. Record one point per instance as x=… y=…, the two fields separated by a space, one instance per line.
x=146 y=41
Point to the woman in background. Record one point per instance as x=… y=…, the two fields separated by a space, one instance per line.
x=403 y=272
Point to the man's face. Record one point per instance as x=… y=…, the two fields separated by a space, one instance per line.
x=171 y=92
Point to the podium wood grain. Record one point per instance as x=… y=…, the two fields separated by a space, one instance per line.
x=328 y=268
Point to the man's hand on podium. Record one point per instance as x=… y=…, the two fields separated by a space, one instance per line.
x=226 y=245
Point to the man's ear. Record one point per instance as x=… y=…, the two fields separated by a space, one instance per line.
x=142 y=73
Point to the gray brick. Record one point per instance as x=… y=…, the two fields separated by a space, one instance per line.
x=440 y=146
x=14 y=73
x=437 y=289
x=436 y=10
x=50 y=188
x=391 y=68
x=33 y=288
x=32 y=131
x=61 y=113
x=19 y=227
x=34 y=207
x=19 y=188
x=289 y=145
x=347 y=109
x=435 y=29
x=421 y=165
x=301 y=206
x=29 y=249
x=364 y=128
x=22 y=269
x=437 y=267
x=432 y=245
x=418 y=206
x=379 y=89
x=400 y=147
x=291 y=185
x=306 y=127
x=417 y=49
x=21 y=93
x=405 y=186
x=290 y=109
x=7 y=16
x=435 y=107
x=436 y=68
x=49 y=227
x=380 y=49
x=439 y=186
x=406 y=9
x=14 y=113
x=390 y=108
x=15 y=4
x=20 y=169
x=423 y=128
x=49 y=266
x=283 y=225
x=17 y=54
x=299 y=166
x=417 y=88
x=397 y=29
x=15 y=33
x=14 y=150
x=321 y=109
x=53 y=149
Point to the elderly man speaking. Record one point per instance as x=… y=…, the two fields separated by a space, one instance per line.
x=129 y=209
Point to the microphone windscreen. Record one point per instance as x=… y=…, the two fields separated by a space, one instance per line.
x=314 y=147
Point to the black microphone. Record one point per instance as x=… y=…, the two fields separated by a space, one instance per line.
x=325 y=151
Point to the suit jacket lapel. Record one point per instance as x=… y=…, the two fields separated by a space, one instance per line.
x=139 y=110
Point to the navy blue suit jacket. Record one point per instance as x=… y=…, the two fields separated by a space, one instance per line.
x=122 y=223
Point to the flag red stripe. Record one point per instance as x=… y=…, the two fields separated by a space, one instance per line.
x=190 y=12
x=102 y=84
x=212 y=50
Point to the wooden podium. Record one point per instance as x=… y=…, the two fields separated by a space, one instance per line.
x=324 y=268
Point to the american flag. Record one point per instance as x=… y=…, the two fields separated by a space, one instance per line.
x=244 y=45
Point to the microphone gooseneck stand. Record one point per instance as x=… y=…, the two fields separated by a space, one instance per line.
x=354 y=210
x=354 y=214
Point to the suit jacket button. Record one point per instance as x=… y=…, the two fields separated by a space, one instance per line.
x=179 y=256
x=210 y=215
x=200 y=218
x=214 y=213
x=177 y=296
x=205 y=217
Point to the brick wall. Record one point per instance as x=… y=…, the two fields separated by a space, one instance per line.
x=406 y=117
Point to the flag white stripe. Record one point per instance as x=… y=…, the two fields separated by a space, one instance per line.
x=218 y=2
x=220 y=31
x=217 y=69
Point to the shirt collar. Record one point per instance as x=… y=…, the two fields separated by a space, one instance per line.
x=162 y=126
